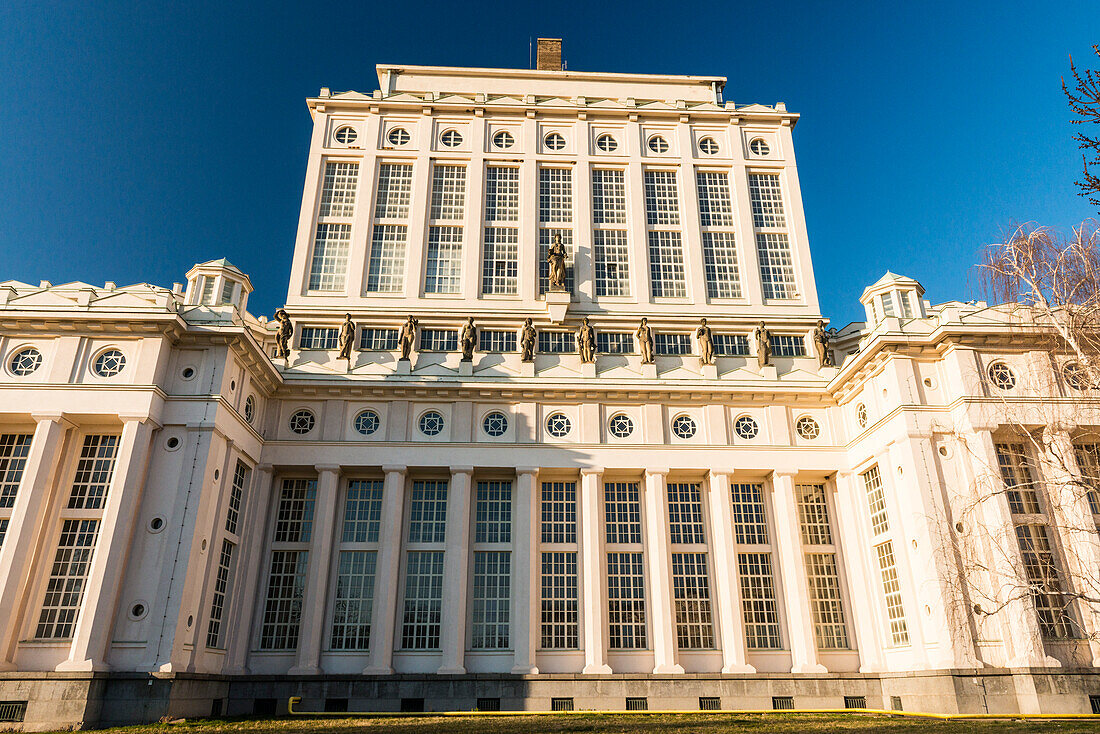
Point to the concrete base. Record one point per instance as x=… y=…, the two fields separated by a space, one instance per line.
x=526 y=369
x=710 y=371
x=403 y=367
x=649 y=371
x=588 y=369
x=465 y=368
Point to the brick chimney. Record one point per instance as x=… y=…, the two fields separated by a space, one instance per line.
x=548 y=54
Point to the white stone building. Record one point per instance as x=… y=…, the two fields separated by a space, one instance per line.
x=193 y=525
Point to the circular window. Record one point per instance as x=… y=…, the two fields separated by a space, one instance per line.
x=232 y=385
x=504 y=140
x=606 y=143
x=1075 y=375
x=683 y=426
x=495 y=424
x=25 y=362
x=558 y=425
x=861 y=415
x=929 y=382
x=399 y=136
x=807 y=428
x=346 y=135
x=367 y=422
x=620 y=425
x=172 y=443
x=190 y=620
x=759 y=147
x=1001 y=376
x=745 y=427
x=217 y=473
x=109 y=363
x=658 y=144
x=302 y=422
x=944 y=451
x=156 y=524
x=249 y=408
x=554 y=141
x=431 y=423
x=451 y=138
x=137 y=612
x=188 y=373
x=709 y=146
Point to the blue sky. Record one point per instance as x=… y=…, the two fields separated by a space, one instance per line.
x=137 y=139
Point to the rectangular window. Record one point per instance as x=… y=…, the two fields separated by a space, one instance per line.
x=14 y=449
x=559 y=512
x=377 y=340
x=610 y=256
x=891 y=588
x=428 y=512
x=888 y=304
x=490 y=619
x=394 y=191
x=338 y=189
x=68 y=579
x=758 y=601
x=557 y=342
x=685 y=513
x=330 y=257
x=666 y=265
x=294 y=518
x=876 y=501
x=622 y=512
x=766 y=200
x=776 y=265
x=662 y=205
x=386 y=271
x=608 y=196
x=813 y=513
x=286 y=587
x=691 y=595
x=787 y=345
x=362 y=511
x=1088 y=463
x=1052 y=604
x=448 y=192
x=94 y=471
x=500 y=261
x=221 y=591
x=825 y=601
x=750 y=524
x=555 y=195
x=493 y=513
x=546 y=238
x=672 y=344
x=443 y=263
x=207 y=290
x=315 y=337
x=438 y=340
x=501 y=194
x=241 y=475
x=715 y=204
x=626 y=601
x=227 y=291
x=559 y=601
x=3 y=529
x=1018 y=479
x=496 y=341
x=612 y=342
x=720 y=265
x=423 y=600
x=351 y=615
x=731 y=345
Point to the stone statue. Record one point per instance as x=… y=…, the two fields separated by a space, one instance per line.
x=347 y=337
x=282 y=336
x=527 y=338
x=821 y=343
x=468 y=340
x=706 y=342
x=763 y=344
x=407 y=337
x=586 y=341
x=644 y=336
x=555 y=257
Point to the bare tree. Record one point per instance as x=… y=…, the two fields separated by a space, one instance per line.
x=1084 y=101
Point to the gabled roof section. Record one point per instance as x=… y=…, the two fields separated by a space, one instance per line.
x=890 y=281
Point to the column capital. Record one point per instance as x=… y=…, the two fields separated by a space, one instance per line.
x=527 y=470
x=138 y=418
x=784 y=474
x=324 y=468
x=269 y=468
x=720 y=473
x=394 y=468
x=53 y=417
x=462 y=470
x=592 y=471
x=659 y=471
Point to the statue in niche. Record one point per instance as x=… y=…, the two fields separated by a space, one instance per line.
x=347 y=337
x=586 y=342
x=644 y=337
x=555 y=258
x=706 y=342
x=763 y=344
x=527 y=338
x=821 y=344
x=407 y=337
x=282 y=336
x=468 y=340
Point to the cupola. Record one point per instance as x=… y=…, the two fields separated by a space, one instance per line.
x=217 y=283
x=893 y=296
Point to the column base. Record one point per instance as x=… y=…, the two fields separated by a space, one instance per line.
x=525 y=670
x=1036 y=661
x=7 y=666
x=305 y=670
x=739 y=668
x=455 y=670
x=81 y=666
x=668 y=669
x=237 y=670
x=809 y=668
x=595 y=669
x=378 y=670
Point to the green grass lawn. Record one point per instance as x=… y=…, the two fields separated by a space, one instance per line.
x=657 y=724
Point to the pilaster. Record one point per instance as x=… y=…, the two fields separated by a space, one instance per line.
x=455 y=571
x=524 y=573
x=731 y=624
x=384 y=605
x=595 y=647
x=320 y=564
x=659 y=563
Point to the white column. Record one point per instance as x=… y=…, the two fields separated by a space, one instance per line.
x=525 y=604
x=731 y=623
x=788 y=539
x=253 y=543
x=93 y=630
x=26 y=527
x=456 y=560
x=595 y=648
x=660 y=572
x=314 y=602
x=384 y=605
x=861 y=586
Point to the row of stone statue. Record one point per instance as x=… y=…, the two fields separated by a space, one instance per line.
x=586 y=340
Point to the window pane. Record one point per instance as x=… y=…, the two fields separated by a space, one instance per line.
x=423 y=600
x=338 y=190
x=559 y=512
x=94 y=472
x=386 y=271
x=622 y=512
x=286 y=585
x=351 y=617
x=443 y=266
x=330 y=257
x=493 y=513
x=362 y=511
x=68 y=578
x=428 y=512
x=394 y=191
x=626 y=601
x=448 y=192
x=500 y=261
x=766 y=200
x=691 y=594
x=559 y=601
x=489 y=621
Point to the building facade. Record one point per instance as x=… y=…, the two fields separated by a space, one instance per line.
x=525 y=513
